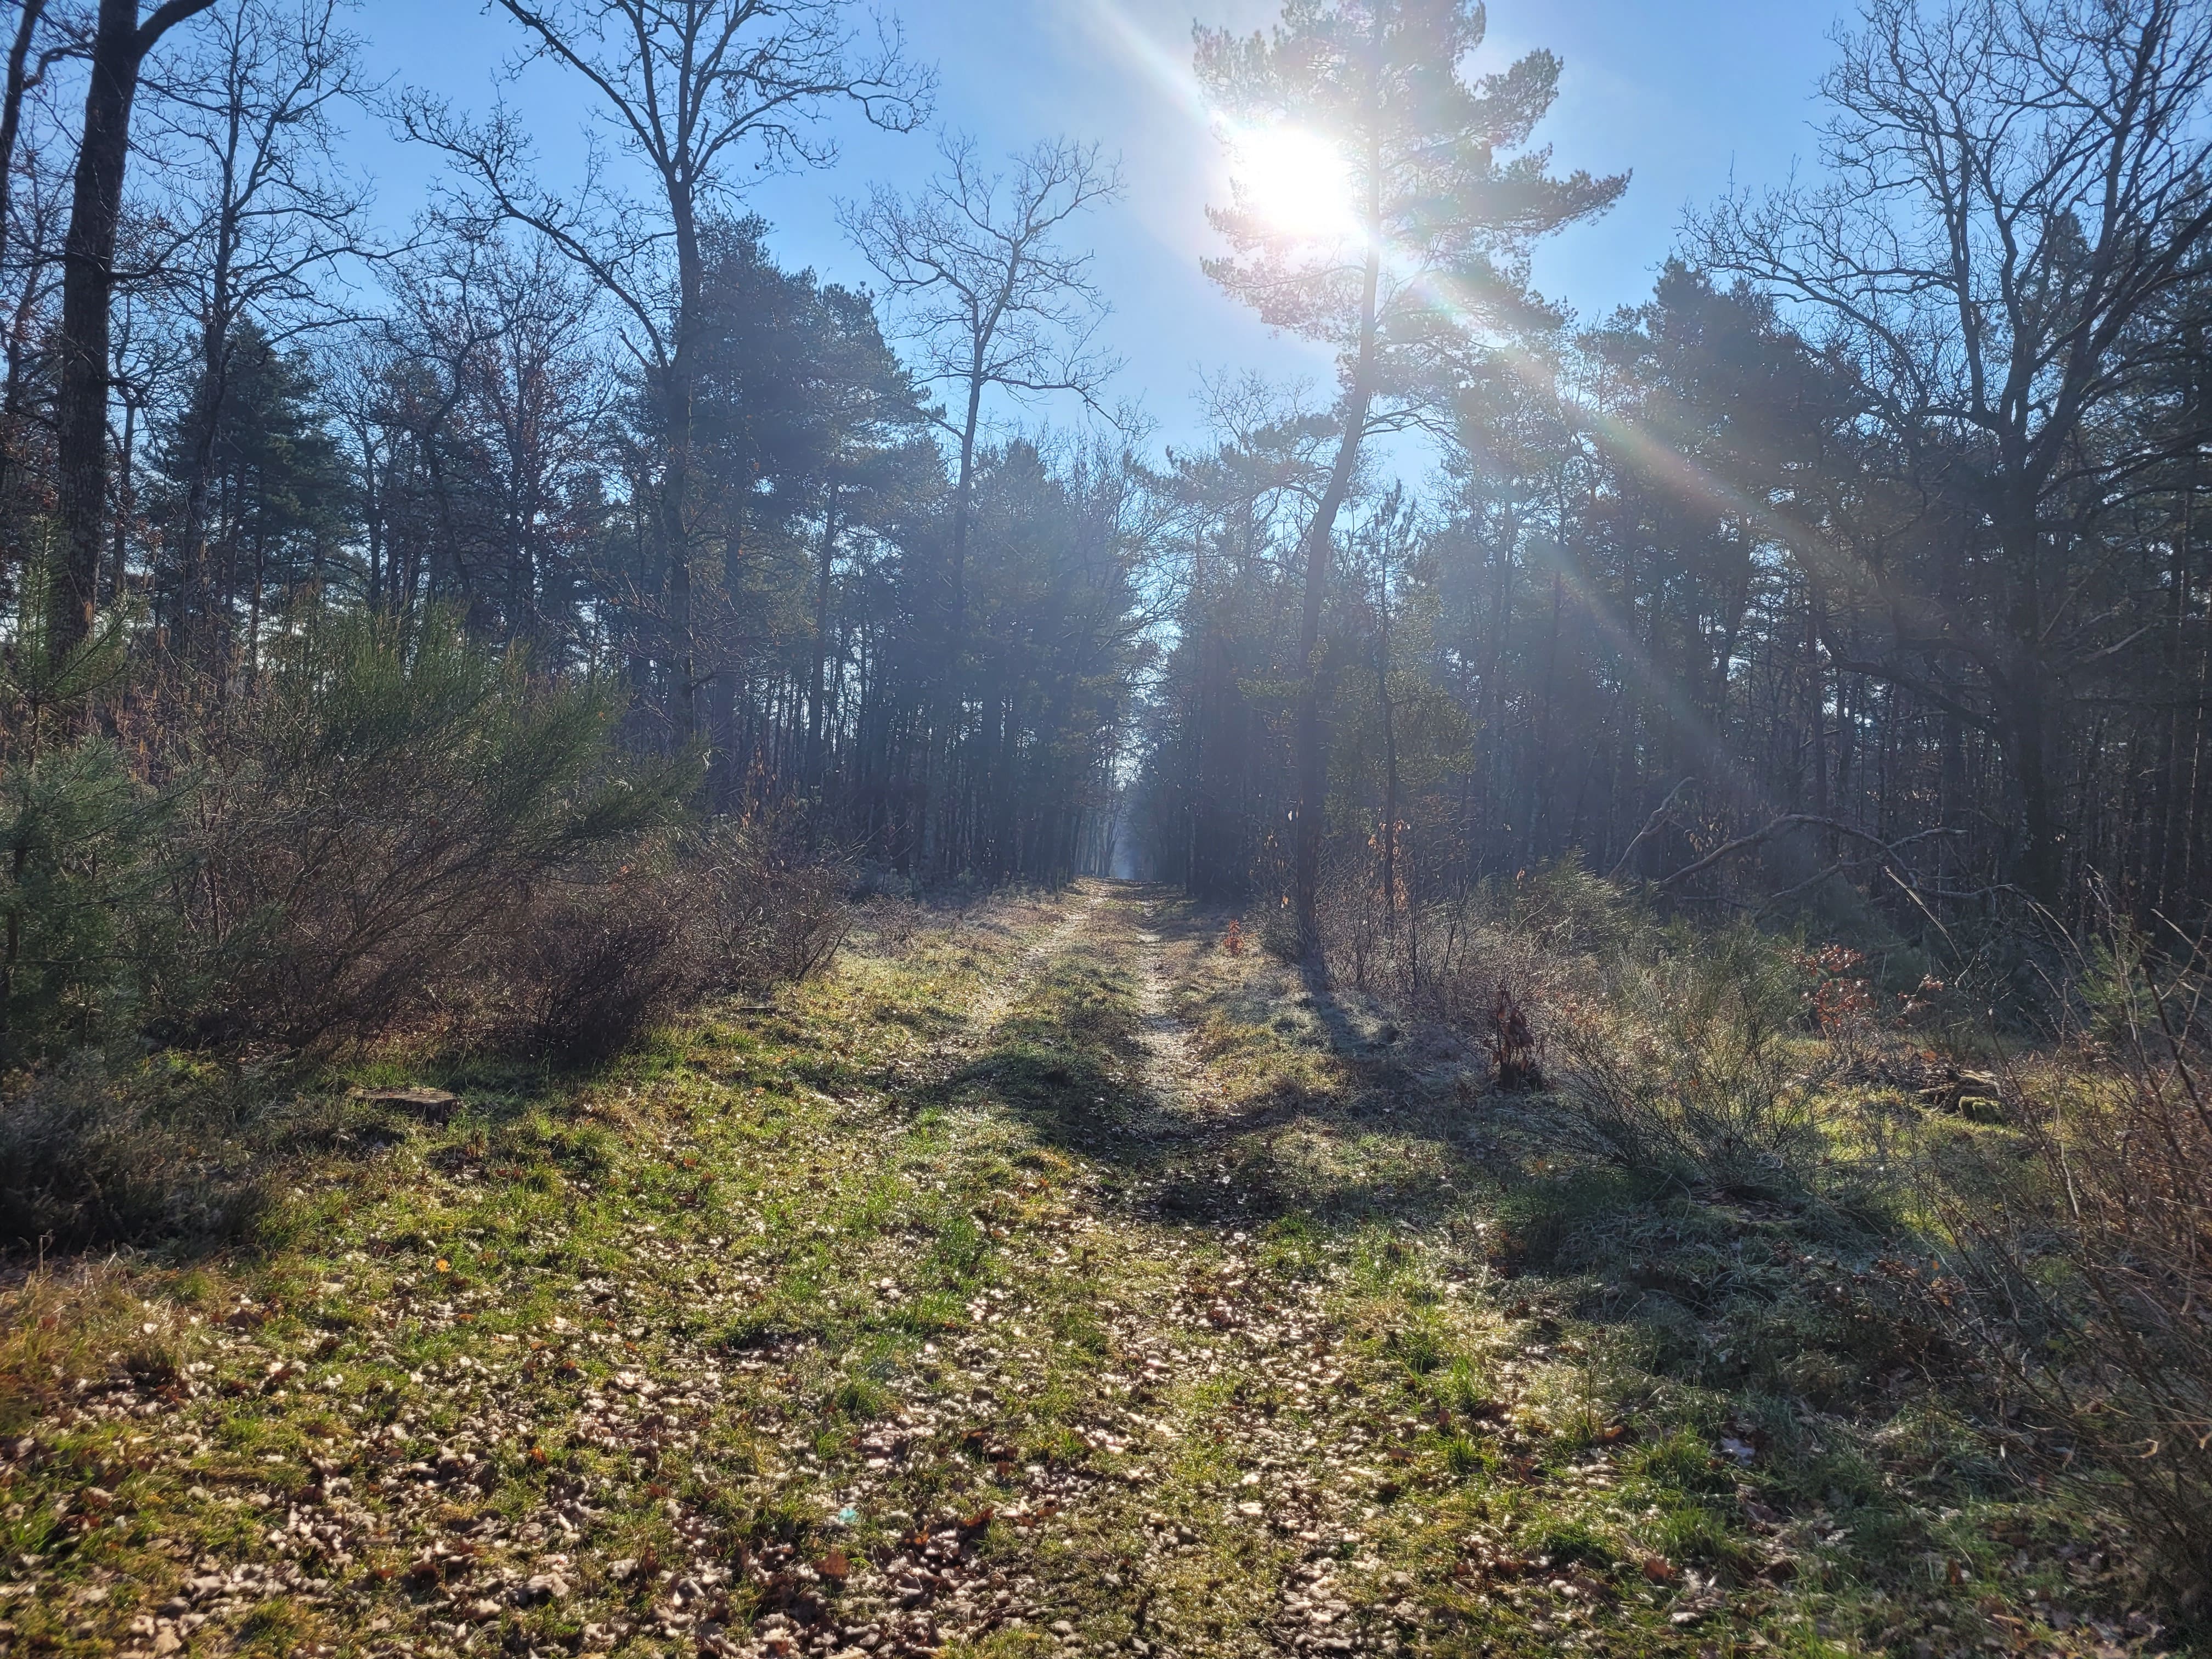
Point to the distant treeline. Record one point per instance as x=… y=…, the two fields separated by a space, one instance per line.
x=1866 y=552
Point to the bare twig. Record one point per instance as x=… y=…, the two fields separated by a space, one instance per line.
x=1658 y=816
x=1790 y=821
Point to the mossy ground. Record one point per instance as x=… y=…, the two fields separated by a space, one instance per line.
x=1051 y=1279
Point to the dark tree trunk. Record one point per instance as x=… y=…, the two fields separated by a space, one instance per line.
x=11 y=108
x=1389 y=775
x=2041 y=855
x=11 y=125
x=680 y=385
x=120 y=43
x=815 y=682
x=126 y=504
x=1387 y=843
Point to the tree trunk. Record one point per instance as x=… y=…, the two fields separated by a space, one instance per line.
x=1389 y=847
x=11 y=123
x=1312 y=753
x=119 y=46
x=11 y=107
x=1817 y=679
x=2025 y=685
x=253 y=613
x=88 y=285
x=2041 y=857
x=127 y=504
x=676 y=477
x=938 y=742
x=815 y=684
x=1389 y=793
x=372 y=518
x=195 y=602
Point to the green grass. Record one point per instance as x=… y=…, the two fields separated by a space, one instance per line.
x=1203 y=1347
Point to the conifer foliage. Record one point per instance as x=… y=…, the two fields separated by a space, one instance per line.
x=435 y=605
x=1431 y=256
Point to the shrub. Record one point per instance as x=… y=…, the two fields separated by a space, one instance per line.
x=1516 y=1053
x=586 y=969
x=97 y=1151
x=2085 y=1285
x=1508 y=968
x=766 y=908
x=1691 y=1072
x=389 y=793
x=1548 y=934
x=393 y=826
x=731 y=905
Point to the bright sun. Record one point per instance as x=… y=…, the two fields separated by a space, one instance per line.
x=1296 y=181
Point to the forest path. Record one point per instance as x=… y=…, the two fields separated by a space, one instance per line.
x=1049 y=1276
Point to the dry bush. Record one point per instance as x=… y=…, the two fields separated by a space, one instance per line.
x=1555 y=939
x=1684 y=1050
x=98 y=1150
x=733 y=905
x=1516 y=1053
x=585 y=969
x=1279 y=935
x=1356 y=939
x=891 y=922
x=1694 y=1068
x=398 y=821
x=395 y=830
x=1547 y=942
x=767 y=908
x=2086 y=1283
x=387 y=795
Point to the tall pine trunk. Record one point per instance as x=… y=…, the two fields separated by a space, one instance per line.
x=1313 y=750
x=819 y=674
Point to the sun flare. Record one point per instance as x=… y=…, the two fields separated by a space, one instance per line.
x=1297 y=181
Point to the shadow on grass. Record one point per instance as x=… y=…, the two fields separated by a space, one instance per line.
x=184 y=1155
x=1072 y=1066
x=1747 y=1298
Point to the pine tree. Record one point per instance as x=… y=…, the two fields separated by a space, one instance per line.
x=1443 y=199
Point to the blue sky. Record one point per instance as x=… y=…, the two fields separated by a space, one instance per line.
x=1683 y=94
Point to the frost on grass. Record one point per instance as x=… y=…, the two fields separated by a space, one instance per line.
x=1051 y=1279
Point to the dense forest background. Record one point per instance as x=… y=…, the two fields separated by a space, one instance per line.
x=1860 y=569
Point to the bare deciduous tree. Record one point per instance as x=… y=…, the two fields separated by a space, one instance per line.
x=24 y=78
x=685 y=85
x=989 y=297
x=32 y=141
x=266 y=211
x=2014 y=187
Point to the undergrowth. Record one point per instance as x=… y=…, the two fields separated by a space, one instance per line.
x=1790 y=1204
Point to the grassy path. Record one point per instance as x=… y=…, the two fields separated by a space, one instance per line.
x=1048 y=1280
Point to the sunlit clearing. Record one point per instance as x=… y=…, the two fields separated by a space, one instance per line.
x=1296 y=181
